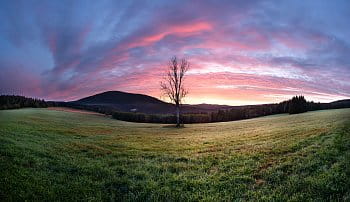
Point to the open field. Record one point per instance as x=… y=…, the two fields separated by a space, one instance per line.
x=66 y=109
x=57 y=155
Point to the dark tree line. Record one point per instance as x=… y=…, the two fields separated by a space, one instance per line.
x=297 y=104
x=159 y=118
x=15 y=102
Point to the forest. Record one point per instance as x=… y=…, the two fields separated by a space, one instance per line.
x=298 y=104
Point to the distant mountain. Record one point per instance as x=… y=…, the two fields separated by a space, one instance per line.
x=210 y=106
x=346 y=101
x=130 y=102
x=204 y=108
x=118 y=97
x=127 y=102
x=340 y=103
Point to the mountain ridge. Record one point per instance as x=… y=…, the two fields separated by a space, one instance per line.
x=136 y=102
x=127 y=102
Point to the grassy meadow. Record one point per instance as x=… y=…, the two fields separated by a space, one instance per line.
x=63 y=156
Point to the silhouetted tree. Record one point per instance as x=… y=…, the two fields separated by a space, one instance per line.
x=173 y=84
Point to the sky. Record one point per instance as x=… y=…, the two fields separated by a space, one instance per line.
x=240 y=52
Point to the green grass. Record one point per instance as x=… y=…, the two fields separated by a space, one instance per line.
x=52 y=155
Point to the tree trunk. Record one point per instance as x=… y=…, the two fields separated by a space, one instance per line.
x=177 y=115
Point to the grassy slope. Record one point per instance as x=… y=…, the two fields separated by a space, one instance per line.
x=47 y=155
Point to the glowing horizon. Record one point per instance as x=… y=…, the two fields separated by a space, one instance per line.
x=241 y=52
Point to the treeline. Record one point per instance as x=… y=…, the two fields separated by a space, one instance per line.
x=159 y=118
x=297 y=104
x=15 y=102
x=135 y=116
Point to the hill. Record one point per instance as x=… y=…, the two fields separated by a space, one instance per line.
x=142 y=108
x=122 y=106
x=127 y=102
x=48 y=155
x=113 y=97
x=123 y=101
x=340 y=104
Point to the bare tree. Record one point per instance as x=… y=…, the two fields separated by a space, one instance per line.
x=173 y=84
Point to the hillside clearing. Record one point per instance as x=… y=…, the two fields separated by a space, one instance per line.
x=66 y=109
x=57 y=155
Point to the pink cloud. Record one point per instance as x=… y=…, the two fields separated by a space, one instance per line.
x=235 y=55
x=182 y=30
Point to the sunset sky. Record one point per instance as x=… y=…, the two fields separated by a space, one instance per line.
x=241 y=52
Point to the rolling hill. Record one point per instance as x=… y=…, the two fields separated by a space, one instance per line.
x=340 y=103
x=127 y=102
x=130 y=102
x=112 y=97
